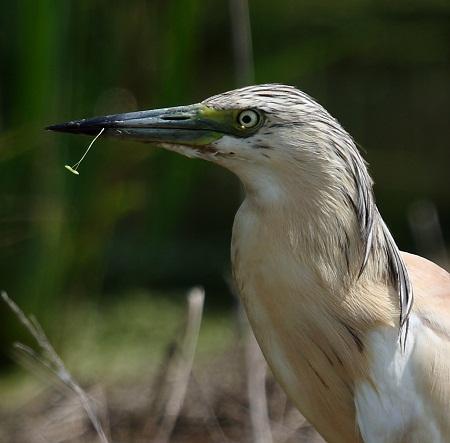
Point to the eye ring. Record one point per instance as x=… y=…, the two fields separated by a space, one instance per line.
x=249 y=118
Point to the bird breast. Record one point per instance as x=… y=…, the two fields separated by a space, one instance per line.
x=292 y=325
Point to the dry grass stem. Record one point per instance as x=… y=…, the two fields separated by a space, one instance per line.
x=180 y=371
x=51 y=361
x=215 y=430
x=256 y=387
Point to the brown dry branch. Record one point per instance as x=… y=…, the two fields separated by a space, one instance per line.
x=51 y=361
x=180 y=371
x=211 y=420
x=256 y=387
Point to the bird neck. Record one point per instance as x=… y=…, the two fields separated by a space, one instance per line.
x=315 y=223
x=321 y=231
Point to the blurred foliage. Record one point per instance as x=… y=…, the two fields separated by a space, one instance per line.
x=139 y=217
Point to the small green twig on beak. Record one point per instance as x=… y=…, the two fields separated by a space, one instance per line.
x=74 y=168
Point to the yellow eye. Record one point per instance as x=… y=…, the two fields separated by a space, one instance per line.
x=248 y=118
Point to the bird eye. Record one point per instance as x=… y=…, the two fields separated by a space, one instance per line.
x=248 y=119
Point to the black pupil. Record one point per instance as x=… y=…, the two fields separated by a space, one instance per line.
x=246 y=119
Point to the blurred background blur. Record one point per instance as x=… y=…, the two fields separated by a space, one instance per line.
x=103 y=259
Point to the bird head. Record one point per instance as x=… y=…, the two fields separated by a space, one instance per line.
x=265 y=134
x=240 y=124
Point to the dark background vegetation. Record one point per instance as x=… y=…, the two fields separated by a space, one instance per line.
x=141 y=218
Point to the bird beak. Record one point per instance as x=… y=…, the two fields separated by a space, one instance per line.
x=194 y=125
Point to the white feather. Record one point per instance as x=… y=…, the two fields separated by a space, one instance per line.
x=390 y=406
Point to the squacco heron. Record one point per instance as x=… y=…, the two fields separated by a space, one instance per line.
x=328 y=293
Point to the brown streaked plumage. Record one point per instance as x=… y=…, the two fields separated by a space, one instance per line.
x=327 y=292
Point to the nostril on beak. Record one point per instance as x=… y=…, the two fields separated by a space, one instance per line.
x=175 y=117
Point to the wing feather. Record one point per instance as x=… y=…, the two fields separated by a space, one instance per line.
x=431 y=286
x=431 y=356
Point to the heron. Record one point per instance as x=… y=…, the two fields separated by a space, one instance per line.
x=356 y=332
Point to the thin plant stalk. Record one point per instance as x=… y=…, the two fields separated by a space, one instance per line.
x=51 y=361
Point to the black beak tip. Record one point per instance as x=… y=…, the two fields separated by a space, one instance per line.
x=58 y=128
x=75 y=127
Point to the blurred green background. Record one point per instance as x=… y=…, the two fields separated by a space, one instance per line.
x=141 y=220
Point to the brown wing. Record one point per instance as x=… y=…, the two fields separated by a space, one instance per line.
x=431 y=285
x=431 y=357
